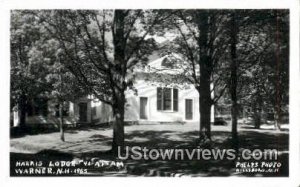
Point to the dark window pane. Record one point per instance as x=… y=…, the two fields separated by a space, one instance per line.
x=167 y=63
x=82 y=112
x=56 y=110
x=94 y=111
x=167 y=99
x=30 y=109
x=188 y=109
x=143 y=107
x=159 y=98
x=45 y=109
x=175 y=99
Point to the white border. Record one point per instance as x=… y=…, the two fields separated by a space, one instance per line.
x=7 y=5
x=134 y=4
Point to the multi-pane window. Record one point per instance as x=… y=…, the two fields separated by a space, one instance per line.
x=167 y=99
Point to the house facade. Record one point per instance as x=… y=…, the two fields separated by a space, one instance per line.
x=153 y=104
x=43 y=111
x=153 y=101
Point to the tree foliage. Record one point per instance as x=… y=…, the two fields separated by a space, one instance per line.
x=27 y=76
x=101 y=48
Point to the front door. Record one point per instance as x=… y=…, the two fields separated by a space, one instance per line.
x=82 y=112
x=188 y=109
x=143 y=107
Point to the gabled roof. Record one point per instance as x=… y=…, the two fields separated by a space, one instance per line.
x=169 y=64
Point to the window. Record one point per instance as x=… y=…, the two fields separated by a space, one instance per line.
x=167 y=63
x=189 y=109
x=143 y=107
x=94 y=111
x=65 y=110
x=83 y=112
x=37 y=106
x=167 y=99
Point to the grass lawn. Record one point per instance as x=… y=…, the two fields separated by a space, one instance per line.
x=93 y=144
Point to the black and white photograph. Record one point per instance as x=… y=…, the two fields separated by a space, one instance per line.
x=173 y=93
x=149 y=92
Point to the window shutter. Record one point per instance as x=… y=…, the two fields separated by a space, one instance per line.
x=159 y=98
x=175 y=99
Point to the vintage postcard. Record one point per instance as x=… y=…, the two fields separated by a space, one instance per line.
x=151 y=91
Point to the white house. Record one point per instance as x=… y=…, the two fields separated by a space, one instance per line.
x=154 y=101
x=44 y=111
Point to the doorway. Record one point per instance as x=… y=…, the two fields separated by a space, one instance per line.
x=143 y=107
x=82 y=112
x=188 y=109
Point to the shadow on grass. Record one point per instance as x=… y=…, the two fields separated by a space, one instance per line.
x=176 y=140
x=251 y=127
x=17 y=132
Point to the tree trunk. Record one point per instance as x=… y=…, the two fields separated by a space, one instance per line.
x=233 y=82
x=278 y=64
x=205 y=101
x=276 y=120
x=23 y=108
x=205 y=64
x=118 y=126
x=257 y=118
x=118 y=83
x=205 y=113
x=61 y=122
